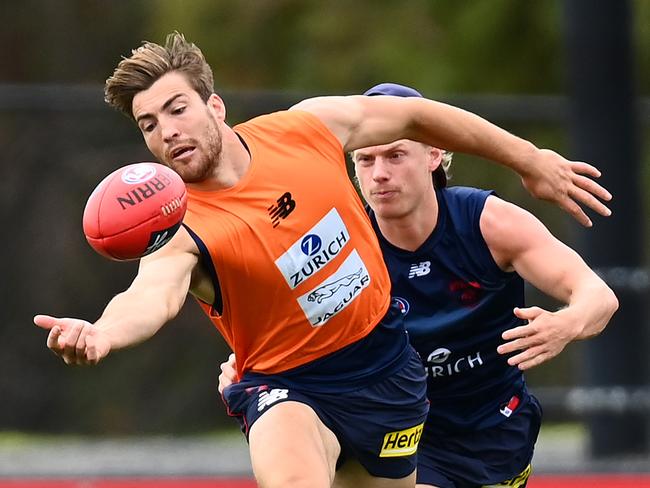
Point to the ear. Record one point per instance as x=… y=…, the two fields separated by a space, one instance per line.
x=434 y=157
x=216 y=104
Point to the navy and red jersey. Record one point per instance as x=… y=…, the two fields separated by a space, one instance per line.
x=456 y=303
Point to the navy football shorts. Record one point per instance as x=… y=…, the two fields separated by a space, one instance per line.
x=379 y=424
x=491 y=456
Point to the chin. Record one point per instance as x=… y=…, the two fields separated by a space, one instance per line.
x=195 y=173
x=387 y=211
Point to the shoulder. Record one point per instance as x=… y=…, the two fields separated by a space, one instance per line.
x=464 y=205
x=502 y=217
x=509 y=230
x=294 y=123
x=465 y=195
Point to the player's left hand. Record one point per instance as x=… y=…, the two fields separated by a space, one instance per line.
x=228 y=374
x=542 y=338
x=568 y=184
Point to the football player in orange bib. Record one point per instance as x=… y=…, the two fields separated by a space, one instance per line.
x=278 y=250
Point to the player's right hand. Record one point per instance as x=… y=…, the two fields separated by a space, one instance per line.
x=228 y=374
x=568 y=184
x=76 y=341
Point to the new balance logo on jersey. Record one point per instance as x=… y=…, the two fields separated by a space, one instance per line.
x=281 y=210
x=267 y=398
x=420 y=269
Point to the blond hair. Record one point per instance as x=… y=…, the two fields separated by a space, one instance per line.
x=150 y=62
x=442 y=174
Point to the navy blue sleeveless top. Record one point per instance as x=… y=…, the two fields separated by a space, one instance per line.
x=456 y=303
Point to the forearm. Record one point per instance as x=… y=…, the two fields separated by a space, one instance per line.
x=591 y=306
x=458 y=130
x=132 y=318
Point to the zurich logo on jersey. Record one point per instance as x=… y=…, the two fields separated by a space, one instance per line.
x=311 y=244
x=440 y=355
x=403 y=305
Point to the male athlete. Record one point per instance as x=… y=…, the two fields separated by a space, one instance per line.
x=457 y=258
x=272 y=221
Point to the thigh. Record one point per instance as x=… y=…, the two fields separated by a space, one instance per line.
x=353 y=475
x=290 y=446
x=484 y=457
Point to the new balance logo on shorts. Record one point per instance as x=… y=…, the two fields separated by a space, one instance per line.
x=267 y=398
x=420 y=269
x=402 y=442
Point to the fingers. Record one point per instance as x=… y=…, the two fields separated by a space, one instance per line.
x=588 y=192
x=71 y=342
x=585 y=168
x=92 y=354
x=522 y=337
x=45 y=321
x=512 y=346
x=67 y=338
x=527 y=359
x=572 y=208
x=528 y=313
x=583 y=196
x=53 y=340
x=228 y=373
x=592 y=187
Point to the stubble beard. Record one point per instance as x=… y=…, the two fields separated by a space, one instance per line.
x=211 y=147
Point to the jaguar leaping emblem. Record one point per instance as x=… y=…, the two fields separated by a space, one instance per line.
x=329 y=289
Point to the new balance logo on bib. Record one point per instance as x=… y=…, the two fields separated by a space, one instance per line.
x=420 y=269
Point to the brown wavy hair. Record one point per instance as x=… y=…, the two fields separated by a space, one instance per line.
x=150 y=62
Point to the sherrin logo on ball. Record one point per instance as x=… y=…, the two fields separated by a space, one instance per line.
x=138 y=173
x=135 y=211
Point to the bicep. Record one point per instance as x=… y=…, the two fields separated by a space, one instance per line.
x=361 y=121
x=519 y=241
x=166 y=274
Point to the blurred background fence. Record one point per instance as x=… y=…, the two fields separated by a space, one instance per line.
x=519 y=64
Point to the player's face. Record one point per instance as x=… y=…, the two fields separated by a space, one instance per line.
x=395 y=179
x=179 y=128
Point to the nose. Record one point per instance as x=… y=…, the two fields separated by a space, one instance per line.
x=380 y=171
x=168 y=130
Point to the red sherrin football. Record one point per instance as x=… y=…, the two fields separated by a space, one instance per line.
x=134 y=211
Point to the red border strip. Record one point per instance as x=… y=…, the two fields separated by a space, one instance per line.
x=130 y=483
x=536 y=481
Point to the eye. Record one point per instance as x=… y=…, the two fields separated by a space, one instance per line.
x=148 y=127
x=396 y=156
x=364 y=160
x=178 y=110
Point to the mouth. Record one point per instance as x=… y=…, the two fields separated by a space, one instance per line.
x=384 y=194
x=179 y=153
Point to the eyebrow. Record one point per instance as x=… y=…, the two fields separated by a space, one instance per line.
x=398 y=146
x=165 y=106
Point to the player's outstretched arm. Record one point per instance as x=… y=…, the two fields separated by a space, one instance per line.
x=520 y=242
x=360 y=121
x=155 y=296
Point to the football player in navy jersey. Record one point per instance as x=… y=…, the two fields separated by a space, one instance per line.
x=458 y=258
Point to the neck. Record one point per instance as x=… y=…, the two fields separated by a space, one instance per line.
x=409 y=231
